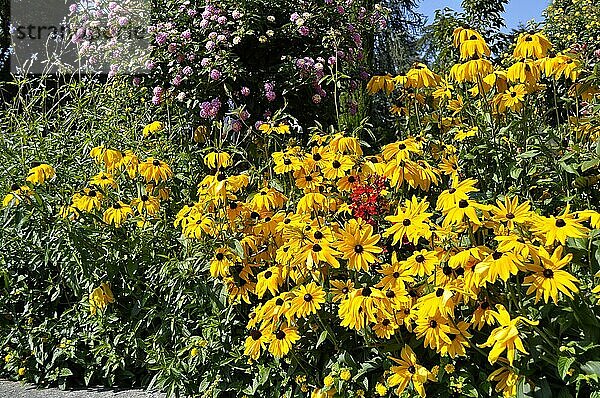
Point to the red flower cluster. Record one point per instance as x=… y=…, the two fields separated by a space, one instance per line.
x=367 y=202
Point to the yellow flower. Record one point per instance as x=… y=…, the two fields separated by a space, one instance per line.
x=307 y=300
x=40 y=174
x=218 y=160
x=408 y=371
x=506 y=381
x=88 y=201
x=328 y=381
x=345 y=374
x=21 y=371
x=103 y=180
x=155 y=170
x=549 y=278
x=380 y=389
x=532 y=46
x=7 y=358
x=194 y=352
x=146 y=204
x=100 y=297
x=110 y=157
x=153 y=128
x=506 y=336
x=559 y=228
x=117 y=213
x=449 y=368
x=378 y=83
x=358 y=245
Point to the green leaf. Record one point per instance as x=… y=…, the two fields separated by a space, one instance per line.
x=563 y=364
x=322 y=338
x=588 y=164
x=528 y=154
x=591 y=368
x=64 y=372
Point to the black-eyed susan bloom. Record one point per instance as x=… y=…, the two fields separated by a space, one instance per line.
x=16 y=195
x=146 y=205
x=532 y=46
x=307 y=300
x=40 y=173
x=358 y=245
x=100 y=297
x=255 y=342
x=379 y=83
x=110 y=157
x=87 y=201
x=559 y=228
x=117 y=214
x=411 y=220
x=155 y=170
x=506 y=336
x=221 y=261
x=548 y=278
x=104 y=180
x=408 y=371
x=218 y=160
x=153 y=128
x=282 y=340
x=511 y=212
x=506 y=381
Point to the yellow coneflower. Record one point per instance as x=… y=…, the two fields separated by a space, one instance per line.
x=155 y=170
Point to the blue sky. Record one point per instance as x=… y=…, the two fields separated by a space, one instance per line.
x=516 y=10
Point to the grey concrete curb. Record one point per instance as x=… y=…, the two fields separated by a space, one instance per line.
x=11 y=389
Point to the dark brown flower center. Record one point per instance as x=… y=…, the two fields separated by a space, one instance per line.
x=412 y=369
x=406 y=222
x=366 y=292
x=560 y=223
x=268 y=274
x=548 y=273
x=156 y=163
x=351 y=179
x=420 y=258
x=447 y=270
x=433 y=323
x=255 y=334
x=336 y=164
x=308 y=297
x=385 y=322
x=287 y=162
x=439 y=292
x=92 y=193
x=220 y=256
x=510 y=216
x=318 y=235
x=345 y=290
x=358 y=249
x=280 y=335
x=317 y=157
x=497 y=255
x=463 y=203
x=144 y=198
x=317 y=248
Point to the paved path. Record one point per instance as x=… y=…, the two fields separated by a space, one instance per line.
x=10 y=389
